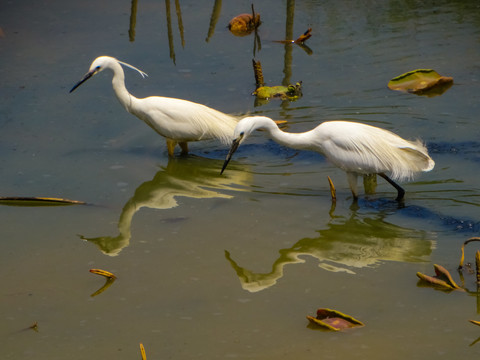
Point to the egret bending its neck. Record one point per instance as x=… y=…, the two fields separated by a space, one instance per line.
x=356 y=148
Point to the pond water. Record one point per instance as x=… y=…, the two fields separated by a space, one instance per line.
x=211 y=266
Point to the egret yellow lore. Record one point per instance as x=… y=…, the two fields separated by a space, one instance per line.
x=179 y=121
x=356 y=148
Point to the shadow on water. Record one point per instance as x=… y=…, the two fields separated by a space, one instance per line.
x=189 y=176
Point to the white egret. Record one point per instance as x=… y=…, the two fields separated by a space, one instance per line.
x=179 y=121
x=356 y=148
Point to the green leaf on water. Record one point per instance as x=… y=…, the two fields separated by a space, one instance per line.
x=422 y=82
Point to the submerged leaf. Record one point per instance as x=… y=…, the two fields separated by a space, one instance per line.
x=421 y=82
x=37 y=201
x=333 y=320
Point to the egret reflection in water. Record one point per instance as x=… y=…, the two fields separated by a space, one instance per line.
x=192 y=177
x=345 y=245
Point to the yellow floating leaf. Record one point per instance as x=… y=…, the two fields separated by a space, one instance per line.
x=421 y=82
x=333 y=320
x=105 y=273
x=37 y=201
x=142 y=351
x=442 y=279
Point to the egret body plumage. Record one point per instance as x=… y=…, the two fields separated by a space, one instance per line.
x=356 y=148
x=179 y=121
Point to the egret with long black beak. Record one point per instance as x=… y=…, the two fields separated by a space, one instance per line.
x=179 y=121
x=356 y=148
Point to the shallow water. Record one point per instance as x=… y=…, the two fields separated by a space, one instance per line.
x=228 y=266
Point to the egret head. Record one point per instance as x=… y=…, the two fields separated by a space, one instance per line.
x=242 y=131
x=97 y=65
x=101 y=63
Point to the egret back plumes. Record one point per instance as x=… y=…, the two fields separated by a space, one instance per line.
x=356 y=148
x=179 y=121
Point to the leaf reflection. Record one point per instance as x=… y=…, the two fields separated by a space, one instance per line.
x=192 y=177
x=347 y=244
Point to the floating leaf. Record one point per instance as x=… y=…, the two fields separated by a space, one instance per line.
x=421 y=82
x=142 y=352
x=110 y=279
x=244 y=24
x=105 y=273
x=300 y=40
x=442 y=279
x=304 y=37
x=475 y=322
x=333 y=320
x=37 y=201
x=290 y=92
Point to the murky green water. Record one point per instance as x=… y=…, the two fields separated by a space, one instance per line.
x=229 y=266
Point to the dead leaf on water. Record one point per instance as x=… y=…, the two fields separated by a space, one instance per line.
x=442 y=279
x=475 y=322
x=37 y=201
x=333 y=320
x=244 y=24
x=300 y=40
x=142 y=351
x=105 y=273
x=110 y=280
x=421 y=82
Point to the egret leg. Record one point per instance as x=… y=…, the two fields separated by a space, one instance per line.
x=352 y=181
x=184 y=147
x=401 y=191
x=171 y=147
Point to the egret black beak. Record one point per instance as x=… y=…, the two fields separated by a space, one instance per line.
x=85 y=78
x=233 y=148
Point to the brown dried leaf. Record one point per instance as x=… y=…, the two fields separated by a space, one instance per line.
x=37 y=201
x=442 y=279
x=333 y=320
x=244 y=24
x=142 y=352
